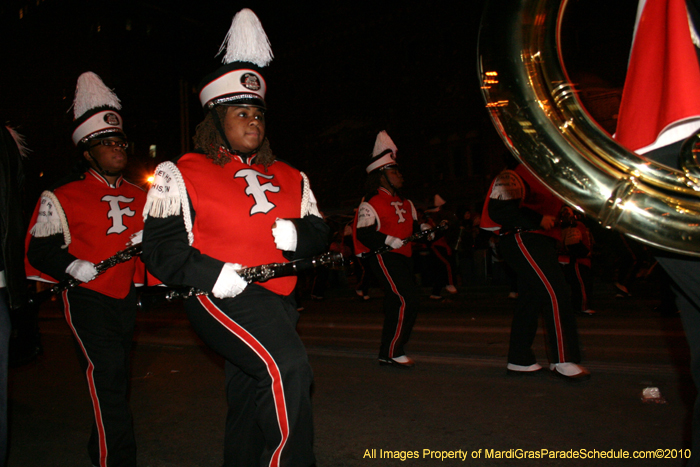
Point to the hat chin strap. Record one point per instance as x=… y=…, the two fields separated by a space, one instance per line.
x=96 y=165
x=227 y=145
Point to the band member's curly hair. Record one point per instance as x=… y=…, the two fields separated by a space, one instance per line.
x=209 y=141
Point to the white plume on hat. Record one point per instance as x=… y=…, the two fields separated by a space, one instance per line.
x=382 y=143
x=239 y=80
x=246 y=41
x=91 y=92
x=95 y=110
x=383 y=154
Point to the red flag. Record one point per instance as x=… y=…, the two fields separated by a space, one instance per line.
x=661 y=98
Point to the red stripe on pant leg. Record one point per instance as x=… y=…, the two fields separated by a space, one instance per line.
x=402 y=308
x=552 y=296
x=272 y=368
x=101 y=437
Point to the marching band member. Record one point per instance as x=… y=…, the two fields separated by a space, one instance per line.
x=575 y=258
x=523 y=212
x=89 y=217
x=385 y=218
x=232 y=203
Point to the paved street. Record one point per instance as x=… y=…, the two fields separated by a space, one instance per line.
x=458 y=398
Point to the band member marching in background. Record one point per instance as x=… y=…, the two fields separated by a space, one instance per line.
x=523 y=212
x=441 y=253
x=228 y=204
x=88 y=218
x=387 y=218
x=575 y=258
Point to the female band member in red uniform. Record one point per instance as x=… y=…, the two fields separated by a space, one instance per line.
x=88 y=218
x=232 y=203
x=385 y=218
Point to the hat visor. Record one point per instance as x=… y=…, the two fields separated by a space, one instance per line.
x=238 y=100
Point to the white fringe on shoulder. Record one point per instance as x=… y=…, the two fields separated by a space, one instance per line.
x=54 y=219
x=304 y=195
x=308 y=200
x=168 y=197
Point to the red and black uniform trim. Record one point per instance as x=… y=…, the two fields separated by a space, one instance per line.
x=92 y=220
x=215 y=215
x=395 y=216
x=542 y=288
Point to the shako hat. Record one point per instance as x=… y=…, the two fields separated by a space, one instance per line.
x=438 y=202
x=239 y=81
x=95 y=110
x=384 y=153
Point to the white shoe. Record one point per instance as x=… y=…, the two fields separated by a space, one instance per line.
x=513 y=295
x=451 y=289
x=570 y=371
x=401 y=362
x=513 y=369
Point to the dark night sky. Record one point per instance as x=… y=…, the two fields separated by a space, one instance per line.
x=342 y=72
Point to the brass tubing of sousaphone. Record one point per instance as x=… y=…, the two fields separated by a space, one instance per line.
x=540 y=118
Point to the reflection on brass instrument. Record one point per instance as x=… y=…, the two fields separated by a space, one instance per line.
x=538 y=114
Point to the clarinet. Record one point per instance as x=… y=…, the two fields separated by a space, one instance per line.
x=411 y=238
x=119 y=257
x=266 y=272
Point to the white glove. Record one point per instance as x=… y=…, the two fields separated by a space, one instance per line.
x=285 y=234
x=82 y=270
x=136 y=238
x=393 y=242
x=229 y=283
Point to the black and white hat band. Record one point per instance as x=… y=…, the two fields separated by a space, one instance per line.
x=383 y=159
x=97 y=122
x=233 y=84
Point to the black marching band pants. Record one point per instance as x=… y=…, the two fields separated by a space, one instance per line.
x=268 y=376
x=685 y=272
x=580 y=278
x=401 y=301
x=103 y=328
x=542 y=288
x=443 y=263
